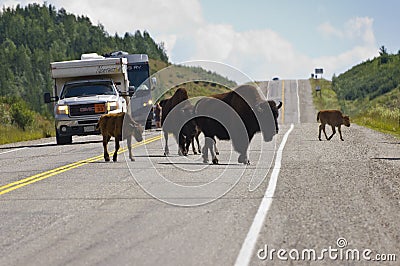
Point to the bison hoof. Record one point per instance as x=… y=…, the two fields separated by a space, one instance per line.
x=107 y=159
x=243 y=159
x=166 y=153
x=320 y=139
x=215 y=161
x=195 y=152
x=132 y=159
x=217 y=153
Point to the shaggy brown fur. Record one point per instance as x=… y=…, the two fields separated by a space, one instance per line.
x=334 y=118
x=111 y=125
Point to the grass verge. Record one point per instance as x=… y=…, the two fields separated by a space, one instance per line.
x=41 y=129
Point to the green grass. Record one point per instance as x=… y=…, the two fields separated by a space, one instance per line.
x=10 y=134
x=381 y=119
x=327 y=99
x=382 y=113
x=41 y=129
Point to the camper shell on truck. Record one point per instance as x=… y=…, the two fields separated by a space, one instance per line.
x=84 y=90
x=140 y=86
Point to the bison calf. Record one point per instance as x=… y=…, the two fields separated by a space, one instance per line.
x=110 y=125
x=334 y=118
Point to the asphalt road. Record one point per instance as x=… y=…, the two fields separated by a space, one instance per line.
x=63 y=205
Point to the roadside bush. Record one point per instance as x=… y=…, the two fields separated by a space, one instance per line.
x=21 y=115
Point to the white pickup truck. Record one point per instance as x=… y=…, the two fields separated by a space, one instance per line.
x=84 y=90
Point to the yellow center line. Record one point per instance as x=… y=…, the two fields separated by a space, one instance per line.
x=35 y=178
x=283 y=102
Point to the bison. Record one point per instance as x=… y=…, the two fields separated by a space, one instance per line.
x=236 y=115
x=334 y=118
x=175 y=119
x=111 y=125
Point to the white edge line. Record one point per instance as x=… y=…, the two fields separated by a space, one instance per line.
x=4 y=152
x=18 y=149
x=246 y=252
x=298 y=101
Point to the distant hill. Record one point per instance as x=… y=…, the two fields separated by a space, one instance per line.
x=197 y=81
x=369 y=79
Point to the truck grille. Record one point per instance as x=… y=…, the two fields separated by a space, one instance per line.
x=87 y=109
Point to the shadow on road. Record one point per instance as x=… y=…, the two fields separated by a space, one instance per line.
x=389 y=158
x=49 y=145
x=395 y=143
x=182 y=163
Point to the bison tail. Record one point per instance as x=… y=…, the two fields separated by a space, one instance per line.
x=318 y=116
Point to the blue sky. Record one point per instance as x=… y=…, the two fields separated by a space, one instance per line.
x=297 y=21
x=263 y=39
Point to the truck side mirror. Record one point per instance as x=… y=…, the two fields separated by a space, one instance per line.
x=153 y=82
x=49 y=99
x=131 y=90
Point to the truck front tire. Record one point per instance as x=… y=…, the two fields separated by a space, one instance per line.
x=62 y=140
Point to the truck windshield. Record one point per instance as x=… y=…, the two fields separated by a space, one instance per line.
x=137 y=74
x=87 y=89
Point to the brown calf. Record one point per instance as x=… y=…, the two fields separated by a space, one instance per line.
x=334 y=118
x=110 y=125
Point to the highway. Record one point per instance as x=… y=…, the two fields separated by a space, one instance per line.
x=63 y=205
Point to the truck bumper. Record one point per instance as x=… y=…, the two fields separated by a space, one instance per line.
x=77 y=127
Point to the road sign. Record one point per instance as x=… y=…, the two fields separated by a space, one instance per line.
x=319 y=71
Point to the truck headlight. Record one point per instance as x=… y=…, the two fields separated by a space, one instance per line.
x=62 y=110
x=149 y=102
x=111 y=106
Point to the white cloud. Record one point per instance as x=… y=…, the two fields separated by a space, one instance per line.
x=354 y=29
x=126 y=16
x=327 y=30
x=361 y=27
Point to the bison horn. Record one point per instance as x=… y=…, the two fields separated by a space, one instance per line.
x=279 y=105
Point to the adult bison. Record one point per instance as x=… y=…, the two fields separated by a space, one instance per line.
x=236 y=115
x=334 y=118
x=120 y=126
x=176 y=112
